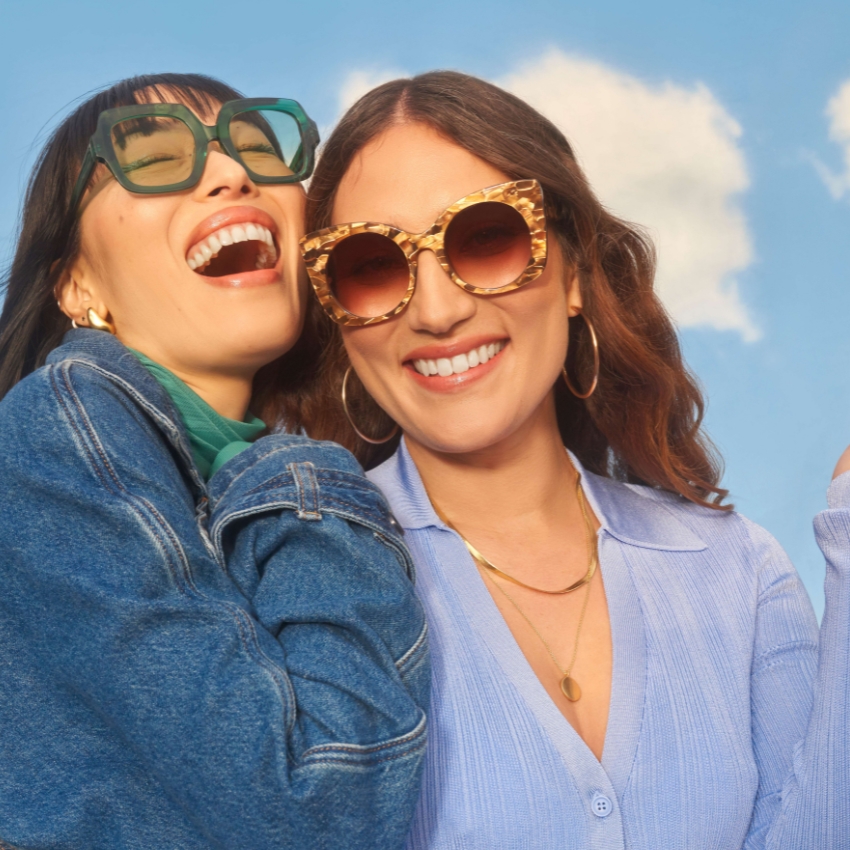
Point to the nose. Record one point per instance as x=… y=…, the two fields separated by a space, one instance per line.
x=438 y=305
x=223 y=177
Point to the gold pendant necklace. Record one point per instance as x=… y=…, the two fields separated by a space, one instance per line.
x=569 y=686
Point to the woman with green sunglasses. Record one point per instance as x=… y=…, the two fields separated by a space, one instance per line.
x=208 y=633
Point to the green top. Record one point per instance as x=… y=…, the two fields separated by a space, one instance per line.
x=214 y=438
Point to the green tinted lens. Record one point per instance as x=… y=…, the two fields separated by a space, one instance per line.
x=154 y=150
x=268 y=142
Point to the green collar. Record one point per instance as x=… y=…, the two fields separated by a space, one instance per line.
x=214 y=438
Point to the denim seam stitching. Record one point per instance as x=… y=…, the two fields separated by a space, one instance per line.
x=342 y=758
x=403 y=662
x=154 y=412
x=402 y=554
x=236 y=613
x=106 y=474
x=303 y=511
x=419 y=730
x=365 y=520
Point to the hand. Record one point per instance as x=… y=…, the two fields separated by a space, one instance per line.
x=843 y=464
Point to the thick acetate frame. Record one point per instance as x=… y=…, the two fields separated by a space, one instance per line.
x=100 y=147
x=525 y=196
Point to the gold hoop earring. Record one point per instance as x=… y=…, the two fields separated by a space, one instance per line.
x=351 y=421
x=595 y=381
x=98 y=323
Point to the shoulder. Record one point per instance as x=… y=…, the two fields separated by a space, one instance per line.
x=727 y=539
x=84 y=420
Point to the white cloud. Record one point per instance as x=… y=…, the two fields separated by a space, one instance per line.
x=838 y=112
x=357 y=83
x=668 y=158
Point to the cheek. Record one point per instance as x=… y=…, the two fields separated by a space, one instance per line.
x=369 y=350
x=126 y=236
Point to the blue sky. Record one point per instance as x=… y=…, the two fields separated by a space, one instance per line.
x=707 y=122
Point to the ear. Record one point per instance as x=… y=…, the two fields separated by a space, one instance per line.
x=574 y=301
x=76 y=292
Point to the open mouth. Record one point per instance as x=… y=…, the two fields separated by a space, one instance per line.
x=460 y=363
x=234 y=249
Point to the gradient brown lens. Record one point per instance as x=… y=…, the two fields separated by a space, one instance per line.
x=154 y=150
x=368 y=274
x=488 y=245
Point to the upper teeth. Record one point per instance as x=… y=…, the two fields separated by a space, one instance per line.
x=445 y=366
x=201 y=253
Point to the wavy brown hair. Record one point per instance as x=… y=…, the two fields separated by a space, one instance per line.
x=643 y=423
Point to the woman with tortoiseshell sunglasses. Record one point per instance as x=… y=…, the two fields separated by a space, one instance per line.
x=620 y=660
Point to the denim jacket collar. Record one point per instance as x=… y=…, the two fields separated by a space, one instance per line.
x=111 y=357
x=622 y=510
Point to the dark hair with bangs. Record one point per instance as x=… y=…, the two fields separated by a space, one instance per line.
x=643 y=423
x=31 y=325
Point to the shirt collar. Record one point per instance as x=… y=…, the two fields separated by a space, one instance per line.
x=635 y=516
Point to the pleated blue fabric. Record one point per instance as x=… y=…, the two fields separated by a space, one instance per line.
x=728 y=726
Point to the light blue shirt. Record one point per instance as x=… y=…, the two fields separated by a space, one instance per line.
x=713 y=742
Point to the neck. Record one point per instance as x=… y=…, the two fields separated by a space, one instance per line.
x=227 y=393
x=526 y=476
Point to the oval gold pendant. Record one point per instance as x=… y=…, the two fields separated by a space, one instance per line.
x=570 y=689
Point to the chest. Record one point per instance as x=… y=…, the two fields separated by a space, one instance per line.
x=505 y=759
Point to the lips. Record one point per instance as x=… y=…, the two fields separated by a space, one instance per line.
x=459 y=363
x=234 y=242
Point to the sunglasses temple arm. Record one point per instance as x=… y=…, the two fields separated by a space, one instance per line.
x=89 y=161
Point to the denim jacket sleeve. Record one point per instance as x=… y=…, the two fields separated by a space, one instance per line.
x=801 y=696
x=283 y=710
x=313 y=545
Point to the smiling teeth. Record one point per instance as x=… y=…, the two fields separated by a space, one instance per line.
x=460 y=363
x=201 y=254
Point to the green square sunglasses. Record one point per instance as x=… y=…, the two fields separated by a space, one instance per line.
x=162 y=147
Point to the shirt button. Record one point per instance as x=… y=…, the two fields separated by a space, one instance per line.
x=601 y=805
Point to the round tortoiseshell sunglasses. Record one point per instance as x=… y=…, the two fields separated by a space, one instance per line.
x=489 y=242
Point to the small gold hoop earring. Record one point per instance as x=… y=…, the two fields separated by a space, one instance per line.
x=595 y=381
x=351 y=421
x=98 y=323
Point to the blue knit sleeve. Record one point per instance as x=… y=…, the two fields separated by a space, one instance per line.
x=810 y=806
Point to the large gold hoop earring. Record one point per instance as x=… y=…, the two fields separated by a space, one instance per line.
x=98 y=323
x=351 y=421
x=595 y=381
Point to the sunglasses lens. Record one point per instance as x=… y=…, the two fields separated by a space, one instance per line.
x=154 y=150
x=488 y=245
x=268 y=142
x=368 y=274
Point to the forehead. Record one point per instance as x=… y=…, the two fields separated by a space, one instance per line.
x=407 y=176
x=205 y=106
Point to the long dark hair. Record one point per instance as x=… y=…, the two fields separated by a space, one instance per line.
x=31 y=325
x=643 y=423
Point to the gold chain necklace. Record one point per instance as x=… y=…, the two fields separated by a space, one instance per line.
x=492 y=568
x=569 y=687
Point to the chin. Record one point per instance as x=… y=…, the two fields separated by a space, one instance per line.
x=465 y=439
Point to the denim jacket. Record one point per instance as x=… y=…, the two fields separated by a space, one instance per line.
x=234 y=665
